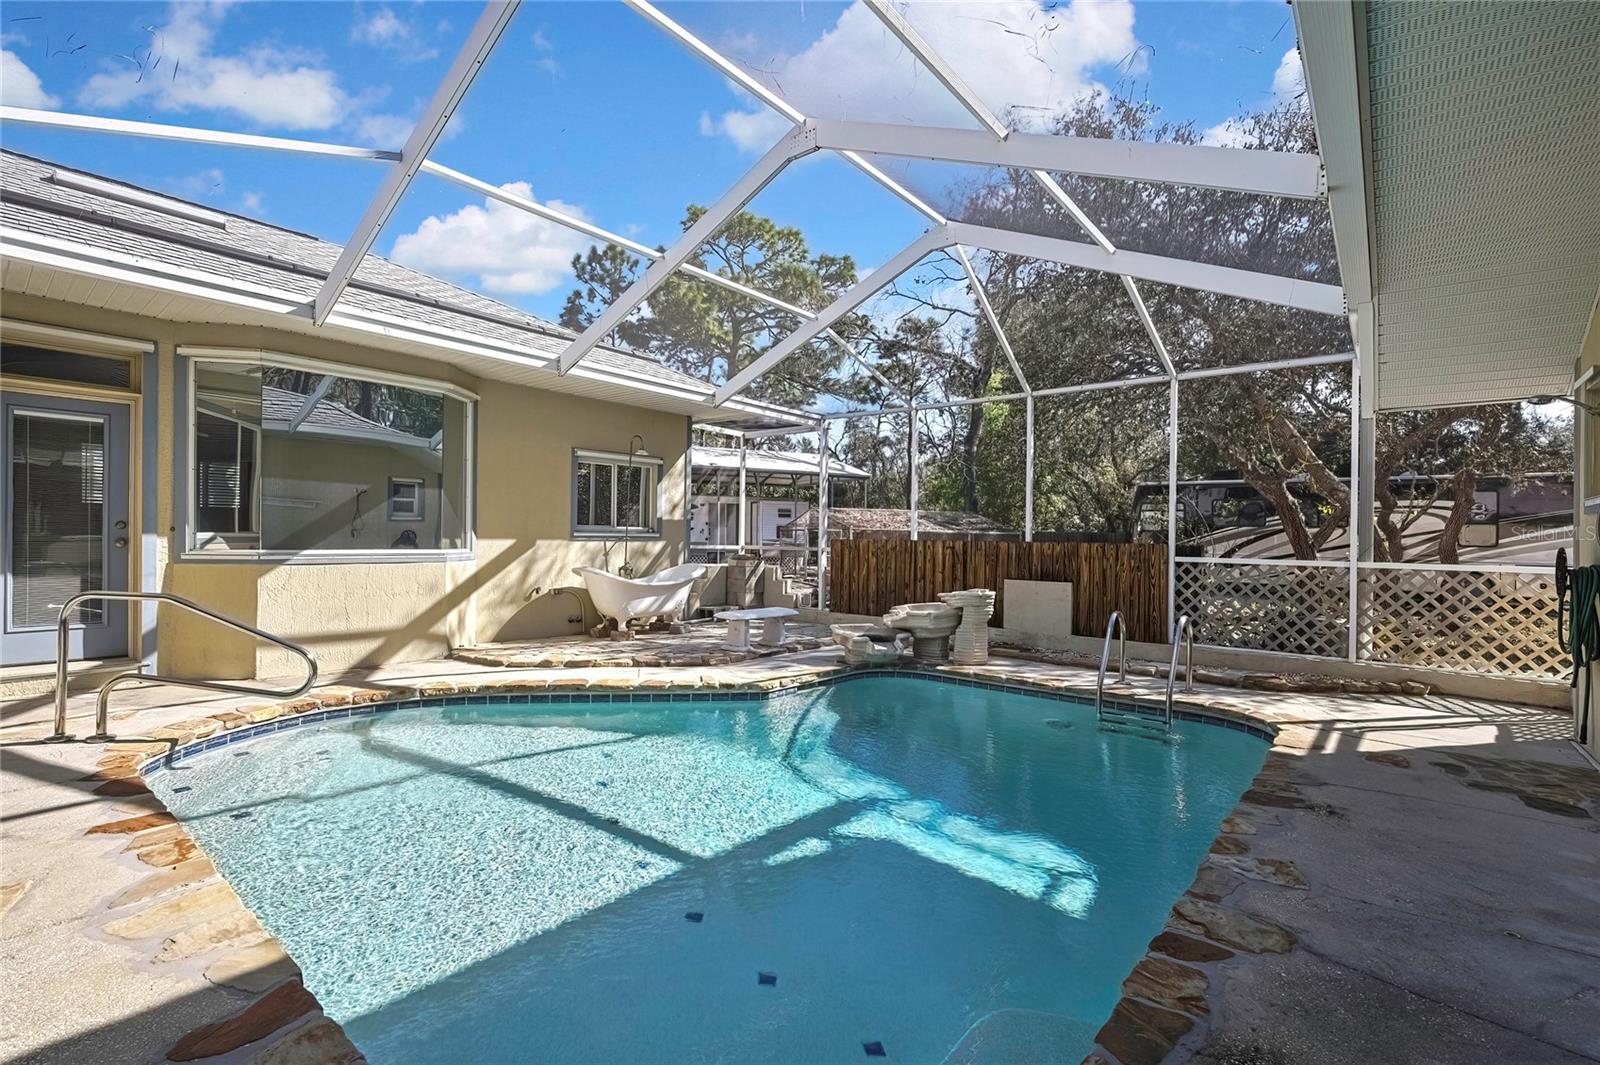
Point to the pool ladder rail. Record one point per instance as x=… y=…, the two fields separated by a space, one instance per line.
x=102 y=703
x=1129 y=720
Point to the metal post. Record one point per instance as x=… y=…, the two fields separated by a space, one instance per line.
x=822 y=515
x=1027 y=492
x=1172 y=504
x=744 y=507
x=1357 y=489
x=912 y=459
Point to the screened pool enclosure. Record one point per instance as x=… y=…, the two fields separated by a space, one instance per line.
x=1007 y=198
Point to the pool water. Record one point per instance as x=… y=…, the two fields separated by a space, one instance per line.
x=889 y=864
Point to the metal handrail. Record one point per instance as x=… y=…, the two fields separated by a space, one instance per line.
x=1113 y=622
x=1182 y=636
x=102 y=712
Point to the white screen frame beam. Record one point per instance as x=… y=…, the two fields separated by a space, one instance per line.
x=1225 y=280
x=730 y=70
x=1288 y=174
x=27 y=116
x=425 y=134
x=989 y=315
x=933 y=240
x=793 y=145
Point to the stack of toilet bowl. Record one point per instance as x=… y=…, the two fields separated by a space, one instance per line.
x=969 y=644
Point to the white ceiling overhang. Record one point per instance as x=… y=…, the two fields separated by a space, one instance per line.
x=1464 y=183
x=46 y=267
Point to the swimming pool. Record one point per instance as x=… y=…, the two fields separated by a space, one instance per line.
x=891 y=864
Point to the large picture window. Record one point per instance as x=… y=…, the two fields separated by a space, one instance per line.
x=614 y=494
x=288 y=458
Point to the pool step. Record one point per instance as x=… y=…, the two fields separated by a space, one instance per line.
x=1125 y=719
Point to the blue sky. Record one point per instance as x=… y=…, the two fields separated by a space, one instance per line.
x=587 y=105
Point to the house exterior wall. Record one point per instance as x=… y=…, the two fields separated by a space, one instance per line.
x=763 y=523
x=364 y=612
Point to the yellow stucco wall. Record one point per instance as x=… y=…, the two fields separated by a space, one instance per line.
x=368 y=613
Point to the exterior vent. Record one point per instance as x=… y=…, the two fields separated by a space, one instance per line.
x=111 y=190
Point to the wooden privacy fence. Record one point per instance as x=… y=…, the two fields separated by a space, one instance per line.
x=870 y=576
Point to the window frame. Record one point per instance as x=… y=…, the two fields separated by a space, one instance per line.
x=251 y=490
x=652 y=468
x=187 y=358
x=418 y=501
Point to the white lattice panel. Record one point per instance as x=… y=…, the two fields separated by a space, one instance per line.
x=1479 y=620
x=1302 y=610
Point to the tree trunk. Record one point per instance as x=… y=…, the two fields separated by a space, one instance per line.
x=1466 y=480
x=1390 y=547
x=969 y=458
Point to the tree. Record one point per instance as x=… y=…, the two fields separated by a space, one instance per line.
x=710 y=332
x=604 y=272
x=1284 y=433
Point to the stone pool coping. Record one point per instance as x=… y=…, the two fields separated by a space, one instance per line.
x=1176 y=998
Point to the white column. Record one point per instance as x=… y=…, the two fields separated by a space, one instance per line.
x=1172 y=504
x=822 y=515
x=744 y=507
x=1027 y=492
x=915 y=486
x=1360 y=491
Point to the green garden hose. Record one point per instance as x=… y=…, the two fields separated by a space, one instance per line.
x=1578 y=597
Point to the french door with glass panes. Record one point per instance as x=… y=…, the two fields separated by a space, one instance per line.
x=66 y=525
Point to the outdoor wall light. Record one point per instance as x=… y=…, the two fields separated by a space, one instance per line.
x=1585 y=407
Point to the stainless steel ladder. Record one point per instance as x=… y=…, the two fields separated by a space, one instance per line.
x=1182 y=636
x=1113 y=624
x=102 y=705
x=1133 y=720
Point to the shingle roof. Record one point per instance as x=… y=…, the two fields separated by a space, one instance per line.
x=253 y=251
x=279 y=405
x=793 y=463
x=880 y=519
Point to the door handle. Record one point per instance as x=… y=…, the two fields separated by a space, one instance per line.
x=121 y=541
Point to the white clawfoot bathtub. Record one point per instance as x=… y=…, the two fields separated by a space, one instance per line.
x=658 y=595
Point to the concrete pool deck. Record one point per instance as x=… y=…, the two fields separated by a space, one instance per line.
x=1410 y=878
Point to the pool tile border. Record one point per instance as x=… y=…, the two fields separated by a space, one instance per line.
x=765 y=693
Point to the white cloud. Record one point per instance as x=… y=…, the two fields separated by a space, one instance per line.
x=1226 y=134
x=384 y=131
x=383 y=28
x=251 y=202
x=1288 y=86
x=547 y=61
x=752 y=131
x=387 y=30
x=20 y=86
x=506 y=250
x=264 y=84
x=1021 y=59
x=208 y=183
x=1289 y=80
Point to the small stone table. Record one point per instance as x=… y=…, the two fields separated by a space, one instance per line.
x=771 y=618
